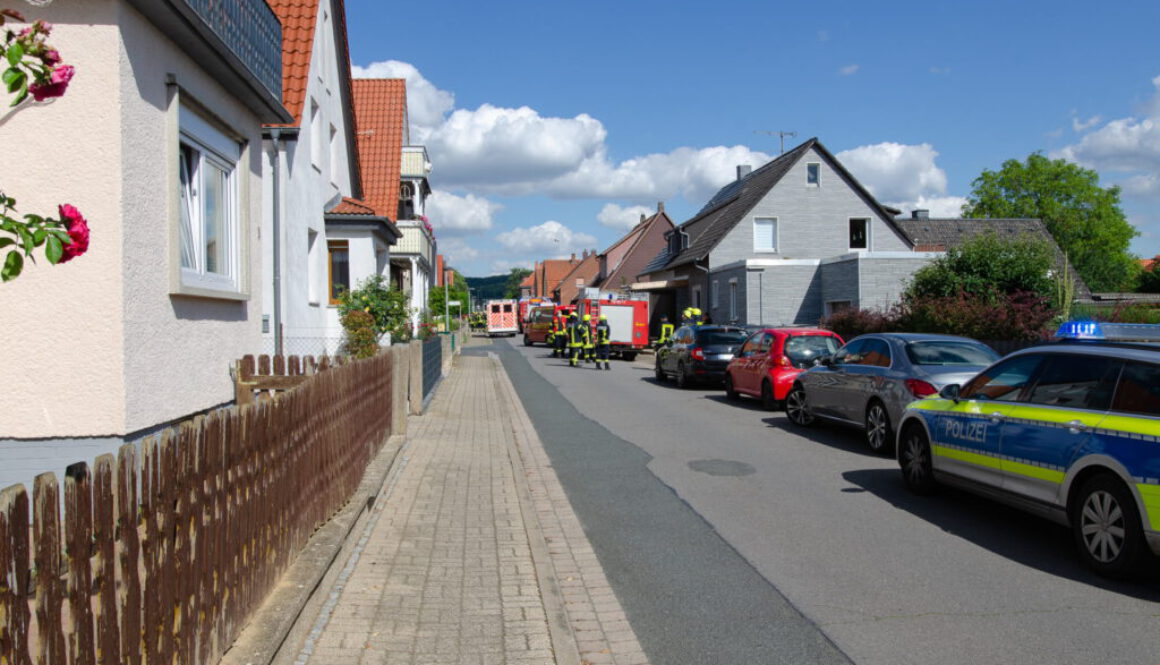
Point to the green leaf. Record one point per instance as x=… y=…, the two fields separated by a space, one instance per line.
x=12 y=266
x=4 y=242
x=53 y=250
x=16 y=81
x=25 y=239
x=15 y=53
x=38 y=237
x=10 y=74
x=20 y=97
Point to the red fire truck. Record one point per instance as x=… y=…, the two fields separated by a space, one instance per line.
x=627 y=321
x=539 y=322
x=526 y=306
x=502 y=317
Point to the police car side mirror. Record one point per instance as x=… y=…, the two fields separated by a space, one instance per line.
x=825 y=361
x=950 y=392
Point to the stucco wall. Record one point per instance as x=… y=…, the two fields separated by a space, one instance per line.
x=306 y=192
x=62 y=326
x=813 y=222
x=720 y=312
x=178 y=349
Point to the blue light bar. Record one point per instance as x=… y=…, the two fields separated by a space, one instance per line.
x=1109 y=332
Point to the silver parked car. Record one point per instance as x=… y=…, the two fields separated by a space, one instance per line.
x=871 y=379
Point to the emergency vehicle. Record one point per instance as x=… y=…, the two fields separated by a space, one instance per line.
x=540 y=322
x=502 y=317
x=526 y=306
x=1069 y=431
x=627 y=323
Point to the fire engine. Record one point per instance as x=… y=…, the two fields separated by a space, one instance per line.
x=627 y=323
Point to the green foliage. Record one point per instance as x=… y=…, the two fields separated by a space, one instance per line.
x=1084 y=218
x=1121 y=313
x=511 y=288
x=388 y=307
x=487 y=288
x=1016 y=316
x=456 y=291
x=25 y=237
x=361 y=340
x=987 y=266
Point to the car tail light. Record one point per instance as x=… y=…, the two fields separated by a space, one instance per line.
x=697 y=353
x=919 y=388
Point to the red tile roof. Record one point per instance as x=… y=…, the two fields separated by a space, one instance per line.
x=298 y=18
x=380 y=111
x=1149 y=264
x=349 y=206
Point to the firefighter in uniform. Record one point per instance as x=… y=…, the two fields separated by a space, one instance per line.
x=686 y=316
x=561 y=336
x=552 y=332
x=589 y=343
x=666 y=330
x=697 y=318
x=576 y=337
x=603 y=342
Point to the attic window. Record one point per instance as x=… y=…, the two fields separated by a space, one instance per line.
x=859 y=233
x=813 y=174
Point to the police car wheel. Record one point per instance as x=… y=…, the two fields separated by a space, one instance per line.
x=660 y=372
x=878 y=431
x=730 y=393
x=914 y=458
x=1106 y=527
x=796 y=408
x=527 y=341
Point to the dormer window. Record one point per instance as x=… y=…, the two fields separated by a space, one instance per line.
x=813 y=174
x=859 y=233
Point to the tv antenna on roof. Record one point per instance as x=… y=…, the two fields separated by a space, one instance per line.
x=780 y=135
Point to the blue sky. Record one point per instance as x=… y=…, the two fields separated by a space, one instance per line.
x=553 y=125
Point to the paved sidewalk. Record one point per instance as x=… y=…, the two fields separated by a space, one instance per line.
x=472 y=553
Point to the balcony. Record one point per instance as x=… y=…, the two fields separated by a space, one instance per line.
x=415 y=162
x=416 y=241
x=237 y=41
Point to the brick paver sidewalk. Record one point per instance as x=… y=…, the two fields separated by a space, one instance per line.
x=472 y=554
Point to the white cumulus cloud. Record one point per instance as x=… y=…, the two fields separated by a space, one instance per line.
x=1078 y=125
x=493 y=146
x=454 y=215
x=550 y=237
x=896 y=172
x=849 y=69
x=622 y=219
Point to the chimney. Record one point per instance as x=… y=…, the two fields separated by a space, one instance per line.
x=641 y=218
x=573 y=256
x=743 y=170
x=921 y=213
x=660 y=206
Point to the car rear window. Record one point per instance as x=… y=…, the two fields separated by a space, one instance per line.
x=804 y=350
x=942 y=352
x=709 y=337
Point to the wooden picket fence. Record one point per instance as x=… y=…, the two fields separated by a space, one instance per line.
x=165 y=551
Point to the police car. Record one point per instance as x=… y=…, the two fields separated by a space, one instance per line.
x=1069 y=431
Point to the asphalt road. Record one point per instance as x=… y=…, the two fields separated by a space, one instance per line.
x=732 y=537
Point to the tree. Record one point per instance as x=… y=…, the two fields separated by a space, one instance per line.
x=1084 y=218
x=457 y=290
x=511 y=287
x=1150 y=277
x=987 y=266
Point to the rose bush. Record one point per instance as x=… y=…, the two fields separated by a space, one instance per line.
x=35 y=67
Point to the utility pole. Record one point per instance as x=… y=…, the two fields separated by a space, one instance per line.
x=780 y=135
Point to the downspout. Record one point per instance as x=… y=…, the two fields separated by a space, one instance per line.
x=275 y=135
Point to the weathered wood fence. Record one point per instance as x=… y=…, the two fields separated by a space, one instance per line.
x=164 y=551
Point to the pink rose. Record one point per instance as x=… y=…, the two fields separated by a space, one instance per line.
x=56 y=86
x=78 y=232
x=51 y=57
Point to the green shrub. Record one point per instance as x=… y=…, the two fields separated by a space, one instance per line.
x=360 y=340
x=388 y=307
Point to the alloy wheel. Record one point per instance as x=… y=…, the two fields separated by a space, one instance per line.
x=1102 y=526
x=877 y=427
x=796 y=408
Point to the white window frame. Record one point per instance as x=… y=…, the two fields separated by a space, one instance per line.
x=313 y=265
x=850 y=221
x=713 y=295
x=818 y=169
x=697 y=297
x=733 y=300
x=208 y=146
x=333 y=138
x=776 y=239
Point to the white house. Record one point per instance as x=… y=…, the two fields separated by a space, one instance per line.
x=158 y=142
x=313 y=186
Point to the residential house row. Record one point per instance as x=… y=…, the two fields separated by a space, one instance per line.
x=786 y=244
x=236 y=180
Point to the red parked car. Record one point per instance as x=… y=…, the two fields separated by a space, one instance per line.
x=768 y=361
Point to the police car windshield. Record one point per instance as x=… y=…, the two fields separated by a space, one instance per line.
x=946 y=352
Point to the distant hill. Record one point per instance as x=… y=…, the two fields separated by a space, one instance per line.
x=487 y=288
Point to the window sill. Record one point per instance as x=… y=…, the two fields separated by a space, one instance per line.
x=185 y=290
x=766 y=251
